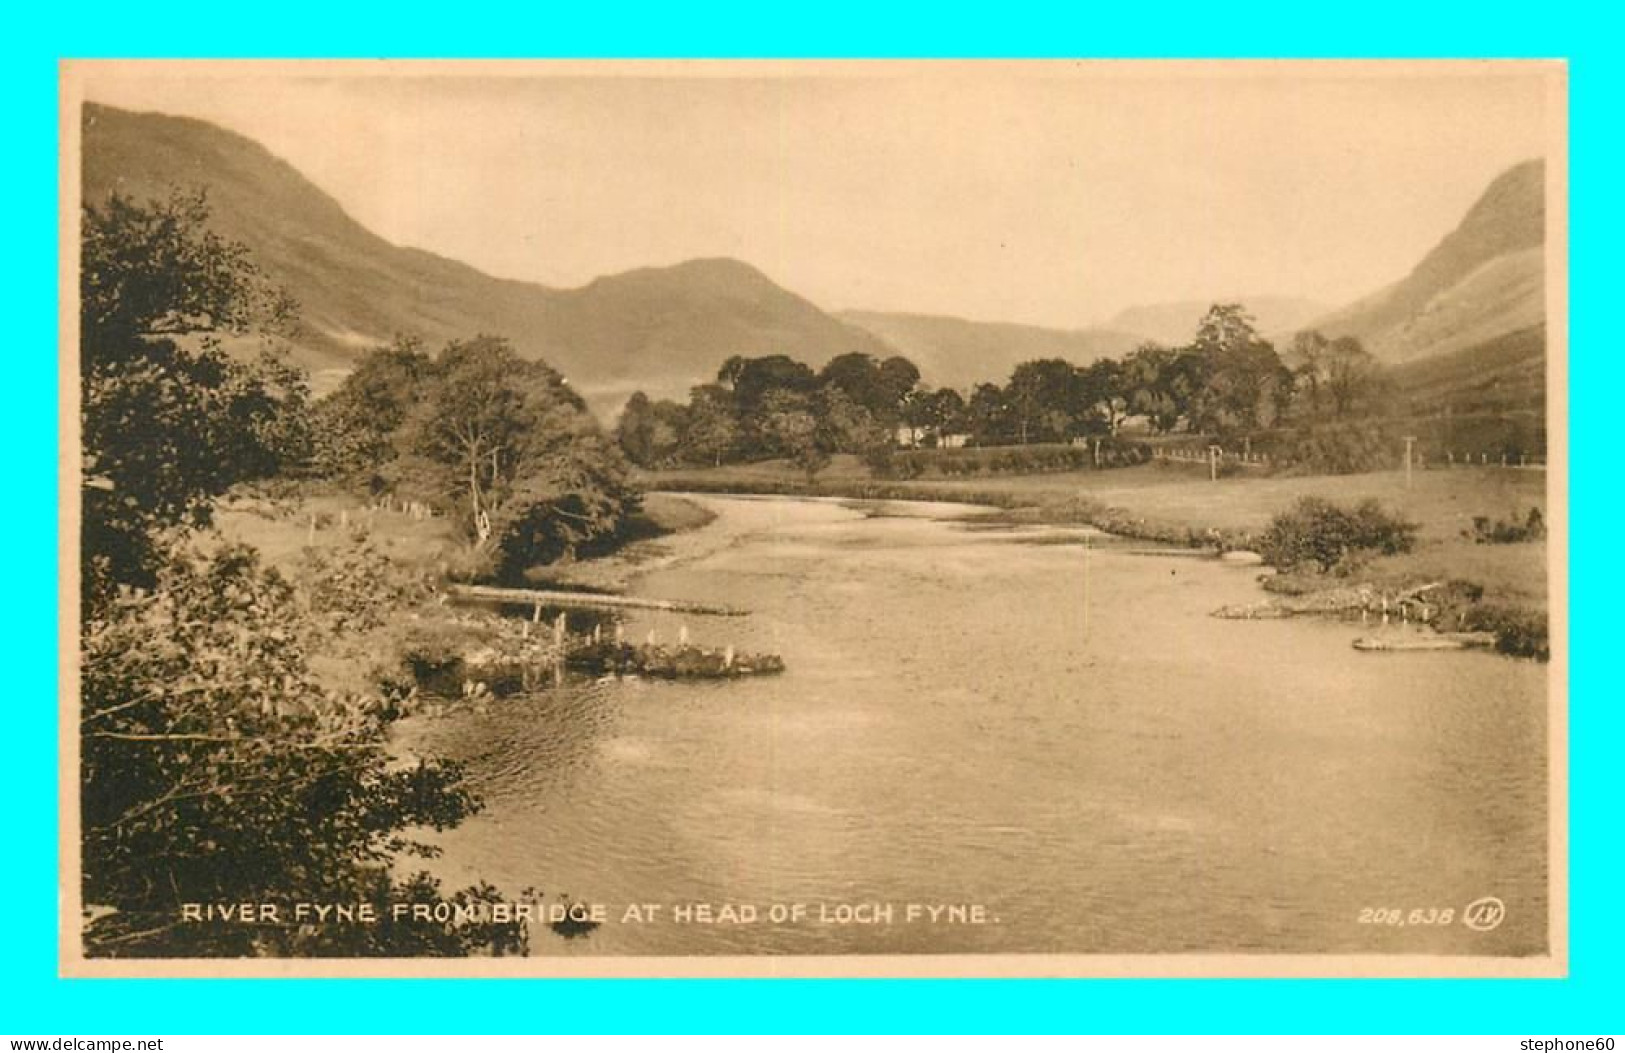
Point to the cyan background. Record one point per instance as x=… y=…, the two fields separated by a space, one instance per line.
x=33 y=1000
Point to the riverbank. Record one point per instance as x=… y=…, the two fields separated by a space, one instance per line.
x=382 y=574
x=1175 y=505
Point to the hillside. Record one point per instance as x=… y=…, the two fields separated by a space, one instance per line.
x=1173 y=324
x=954 y=352
x=1484 y=280
x=1502 y=375
x=661 y=329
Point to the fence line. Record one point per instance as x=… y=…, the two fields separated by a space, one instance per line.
x=1452 y=458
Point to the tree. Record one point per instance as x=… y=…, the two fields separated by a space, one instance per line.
x=517 y=451
x=1352 y=375
x=355 y=426
x=634 y=432
x=918 y=416
x=946 y=412
x=711 y=429
x=474 y=421
x=1149 y=379
x=1309 y=351
x=572 y=495
x=789 y=422
x=169 y=419
x=1040 y=398
x=1103 y=393
x=878 y=387
x=897 y=377
x=757 y=377
x=1335 y=376
x=1187 y=378
x=729 y=372
x=855 y=374
x=844 y=425
x=990 y=416
x=662 y=432
x=1246 y=386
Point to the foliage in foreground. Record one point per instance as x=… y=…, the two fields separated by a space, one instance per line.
x=216 y=765
x=169 y=419
x=217 y=769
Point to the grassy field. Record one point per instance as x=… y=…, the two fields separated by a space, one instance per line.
x=1174 y=502
x=282 y=529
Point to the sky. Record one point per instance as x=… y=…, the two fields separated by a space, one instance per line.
x=1050 y=193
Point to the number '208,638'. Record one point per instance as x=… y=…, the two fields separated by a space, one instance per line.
x=1400 y=916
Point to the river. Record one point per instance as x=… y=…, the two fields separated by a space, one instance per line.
x=1033 y=723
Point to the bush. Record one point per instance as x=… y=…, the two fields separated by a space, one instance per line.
x=1519 y=631
x=1507 y=531
x=1323 y=535
x=354 y=587
x=1342 y=449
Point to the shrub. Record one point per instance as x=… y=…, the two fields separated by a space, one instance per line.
x=1507 y=531
x=1324 y=535
x=354 y=587
x=1341 y=449
x=1519 y=631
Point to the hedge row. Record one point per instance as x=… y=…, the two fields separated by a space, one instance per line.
x=1373 y=444
x=1010 y=460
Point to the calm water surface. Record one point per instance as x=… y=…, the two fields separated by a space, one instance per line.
x=1030 y=719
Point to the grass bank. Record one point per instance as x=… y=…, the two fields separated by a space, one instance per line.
x=378 y=573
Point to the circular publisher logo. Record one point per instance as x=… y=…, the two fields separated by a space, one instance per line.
x=1484 y=914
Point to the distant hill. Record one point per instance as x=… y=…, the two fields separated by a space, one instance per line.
x=660 y=329
x=1501 y=375
x=1485 y=280
x=954 y=352
x=1173 y=324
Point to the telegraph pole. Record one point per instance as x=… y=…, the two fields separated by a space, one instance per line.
x=1409 y=441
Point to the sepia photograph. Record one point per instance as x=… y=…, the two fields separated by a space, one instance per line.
x=814 y=518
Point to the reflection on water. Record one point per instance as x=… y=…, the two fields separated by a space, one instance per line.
x=1015 y=718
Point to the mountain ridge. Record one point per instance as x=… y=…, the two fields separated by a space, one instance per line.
x=1484 y=279
x=661 y=328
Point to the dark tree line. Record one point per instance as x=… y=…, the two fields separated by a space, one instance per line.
x=774 y=406
x=1227 y=381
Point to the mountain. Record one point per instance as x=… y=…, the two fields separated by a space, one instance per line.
x=1485 y=280
x=1502 y=375
x=954 y=352
x=1174 y=324
x=659 y=329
